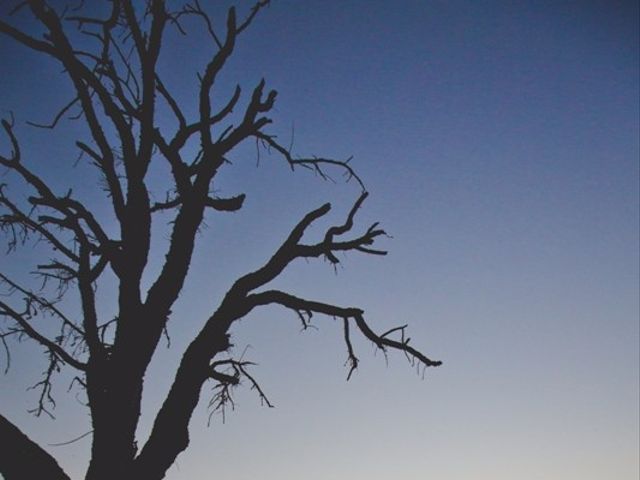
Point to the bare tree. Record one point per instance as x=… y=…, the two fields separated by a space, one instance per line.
x=117 y=92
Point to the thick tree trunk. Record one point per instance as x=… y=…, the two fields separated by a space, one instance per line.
x=113 y=448
x=21 y=458
x=115 y=393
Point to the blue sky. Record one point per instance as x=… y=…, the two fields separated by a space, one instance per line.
x=499 y=141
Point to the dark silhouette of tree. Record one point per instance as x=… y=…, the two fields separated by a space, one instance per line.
x=117 y=92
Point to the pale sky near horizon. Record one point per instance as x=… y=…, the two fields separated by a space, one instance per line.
x=499 y=141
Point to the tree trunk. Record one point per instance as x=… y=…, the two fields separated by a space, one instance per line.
x=115 y=392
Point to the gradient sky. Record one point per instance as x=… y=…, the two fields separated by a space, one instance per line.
x=499 y=141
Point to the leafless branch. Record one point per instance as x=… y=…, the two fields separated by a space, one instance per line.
x=231 y=377
x=315 y=164
x=58 y=116
x=46 y=402
x=44 y=304
x=383 y=342
x=22 y=319
x=352 y=360
x=254 y=11
x=196 y=10
x=116 y=84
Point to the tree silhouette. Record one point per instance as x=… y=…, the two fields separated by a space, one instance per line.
x=117 y=92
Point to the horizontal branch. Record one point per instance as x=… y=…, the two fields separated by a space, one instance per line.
x=315 y=164
x=231 y=204
x=300 y=305
x=382 y=341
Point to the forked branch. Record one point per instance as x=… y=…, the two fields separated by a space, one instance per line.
x=231 y=376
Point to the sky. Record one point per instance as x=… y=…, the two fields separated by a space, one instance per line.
x=500 y=144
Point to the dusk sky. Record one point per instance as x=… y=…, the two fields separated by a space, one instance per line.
x=500 y=144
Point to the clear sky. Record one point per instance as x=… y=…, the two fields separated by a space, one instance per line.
x=500 y=144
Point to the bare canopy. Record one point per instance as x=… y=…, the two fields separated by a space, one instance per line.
x=117 y=90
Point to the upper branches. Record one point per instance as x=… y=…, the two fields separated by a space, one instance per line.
x=293 y=248
x=57 y=213
x=318 y=165
x=116 y=88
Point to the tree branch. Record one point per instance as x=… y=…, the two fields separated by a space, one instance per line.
x=22 y=320
x=18 y=218
x=381 y=341
x=292 y=248
x=235 y=370
x=44 y=304
x=315 y=164
x=21 y=457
